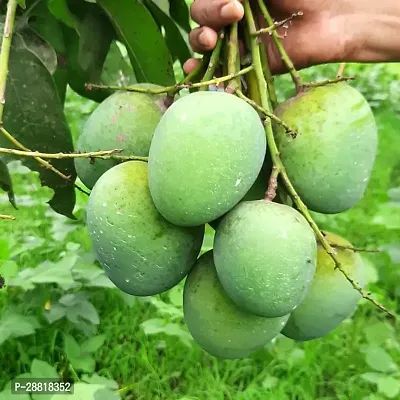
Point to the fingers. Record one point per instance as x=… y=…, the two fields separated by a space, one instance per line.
x=190 y=65
x=216 y=13
x=203 y=39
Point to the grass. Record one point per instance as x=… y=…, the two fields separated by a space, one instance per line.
x=160 y=366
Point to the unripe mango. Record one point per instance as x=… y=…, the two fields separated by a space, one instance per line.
x=216 y=323
x=140 y=251
x=330 y=161
x=206 y=153
x=331 y=298
x=125 y=120
x=265 y=255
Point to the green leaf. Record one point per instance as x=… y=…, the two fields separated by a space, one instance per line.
x=100 y=380
x=14 y=325
x=389 y=386
x=34 y=115
x=60 y=10
x=56 y=312
x=93 y=344
x=8 y=269
x=175 y=42
x=42 y=369
x=91 y=276
x=377 y=333
x=6 y=183
x=83 y=310
x=378 y=359
x=71 y=347
x=372 y=377
x=141 y=36
x=84 y=363
x=179 y=12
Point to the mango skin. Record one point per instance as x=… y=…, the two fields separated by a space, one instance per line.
x=125 y=120
x=206 y=153
x=265 y=255
x=216 y=323
x=331 y=298
x=331 y=160
x=141 y=252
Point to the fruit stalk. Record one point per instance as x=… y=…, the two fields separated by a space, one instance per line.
x=268 y=77
x=5 y=52
x=175 y=88
x=297 y=80
x=279 y=168
x=214 y=60
x=233 y=54
x=103 y=155
x=40 y=160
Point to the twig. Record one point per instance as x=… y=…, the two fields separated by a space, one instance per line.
x=280 y=168
x=214 y=60
x=268 y=77
x=9 y=217
x=340 y=72
x=326 y=82
x=5 y=52
x=272 y=184
x=104 y=155
x=233 y=54
x=355 y=249
x=268 y=114
x=215 y=81
x=277 y=25
x=297 y=80
x=42 y=162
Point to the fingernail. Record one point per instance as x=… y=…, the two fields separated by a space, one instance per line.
x=232 y=10
x=205 y=38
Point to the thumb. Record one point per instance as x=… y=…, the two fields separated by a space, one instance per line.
x=216 y=13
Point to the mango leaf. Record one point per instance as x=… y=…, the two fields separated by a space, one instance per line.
x=60 y=10
x=6 y=183
x=14 y=325
x=175 y=42
x=34 y=115
x=141 y=36
x=179 y=12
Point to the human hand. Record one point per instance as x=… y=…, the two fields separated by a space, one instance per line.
x=329 y=30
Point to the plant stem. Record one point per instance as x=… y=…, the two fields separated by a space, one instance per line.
x=214 y=60
x=104 y=155
x=297 y=80
x=267 y=114
x=9 y=217
x=326 y=82
x=214 y=81
x=280 y=168
x=268 y=77
x=277 y=25
x=233 y=55
x=5 y=52
x=355 y=249
x=42 y=162
x=340 y=72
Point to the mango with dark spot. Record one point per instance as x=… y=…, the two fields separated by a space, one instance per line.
x=217 y=324
x=331 y=298
x=206 y=153
x=125 y=120
x=331 y=159
x=265 y=255
x=140 y=251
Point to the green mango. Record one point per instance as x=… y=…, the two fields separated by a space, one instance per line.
x=331 y=159
x=216 y=323
x=125 y=120
x=265 y=255
x=141 y=252
x=206 y=153
x=331 y=298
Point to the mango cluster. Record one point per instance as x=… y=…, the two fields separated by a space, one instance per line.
x=208 y=163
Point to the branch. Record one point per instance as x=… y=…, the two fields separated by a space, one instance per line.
x=5 y=52
x=355 y=249
x=42 y=162
x=341 y=70
x=326 y=82
x=285 y=58
x=268 y=114
x=104 y=155
x=277 y=25
x=9 y=217
x=280 y=168
x=215 y=81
